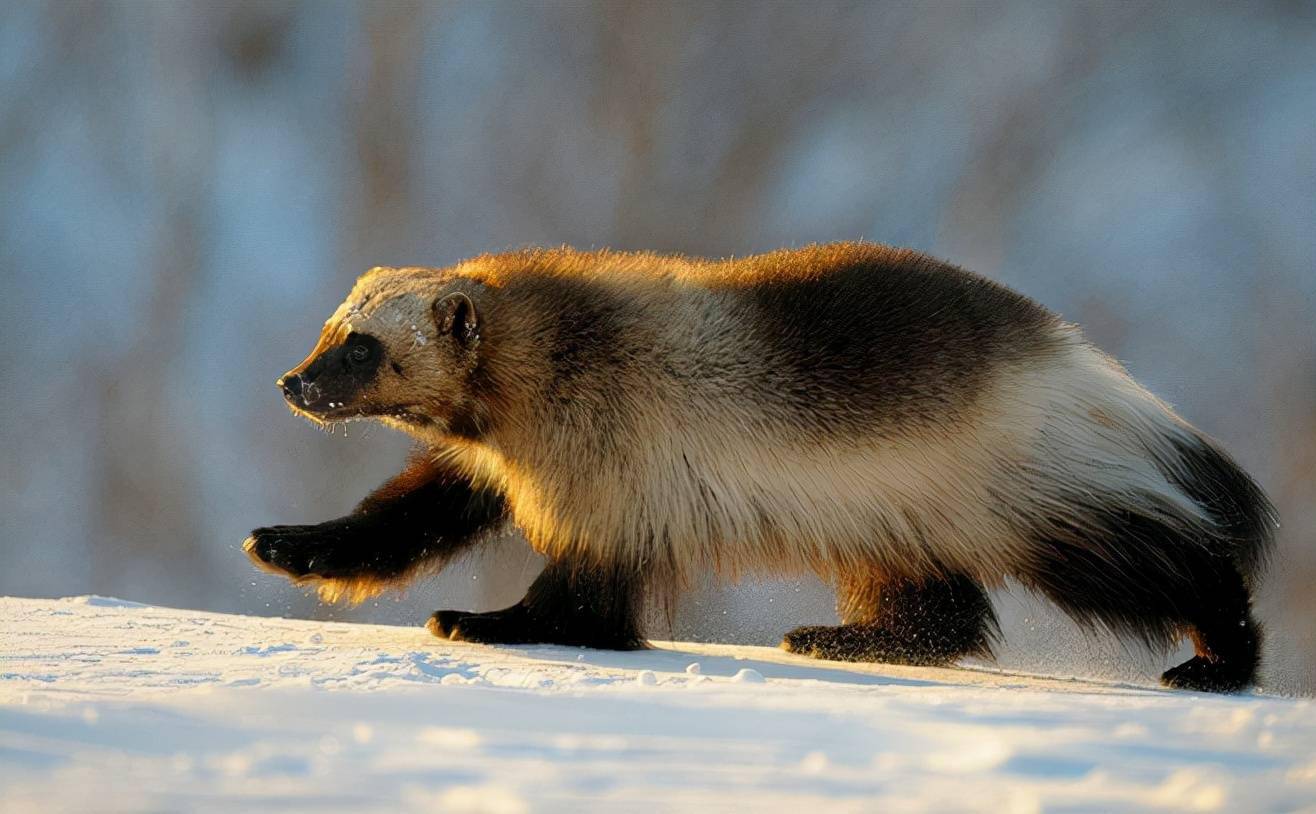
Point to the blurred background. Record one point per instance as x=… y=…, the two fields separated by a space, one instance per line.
x=187 y=190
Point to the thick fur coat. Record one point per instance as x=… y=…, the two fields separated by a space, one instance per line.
x=867 y=414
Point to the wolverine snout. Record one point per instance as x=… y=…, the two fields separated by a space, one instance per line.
x=300 y=390
x=291 y=384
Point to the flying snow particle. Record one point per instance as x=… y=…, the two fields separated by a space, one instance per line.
x=814 y=763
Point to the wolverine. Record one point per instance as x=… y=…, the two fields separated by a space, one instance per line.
x=911 y=432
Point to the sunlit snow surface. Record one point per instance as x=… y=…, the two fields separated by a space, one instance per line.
x=111 y=706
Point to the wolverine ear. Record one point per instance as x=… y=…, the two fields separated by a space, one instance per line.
x=455 y=316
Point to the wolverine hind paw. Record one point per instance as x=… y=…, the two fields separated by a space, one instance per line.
x=1204 y=675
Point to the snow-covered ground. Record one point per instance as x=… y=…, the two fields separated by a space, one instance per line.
x=108 y=706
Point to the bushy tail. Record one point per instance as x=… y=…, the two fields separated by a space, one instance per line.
x=1245 y=516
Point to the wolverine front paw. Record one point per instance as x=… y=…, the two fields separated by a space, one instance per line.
x=519 y=625
x=290 y=551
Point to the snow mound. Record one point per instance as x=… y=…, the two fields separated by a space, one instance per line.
x=112 y=706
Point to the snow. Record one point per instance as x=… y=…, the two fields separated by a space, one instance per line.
x=114 y=706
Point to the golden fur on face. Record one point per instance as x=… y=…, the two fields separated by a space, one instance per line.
x=419 y=381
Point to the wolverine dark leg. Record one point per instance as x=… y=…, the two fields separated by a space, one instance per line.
x=426 y=513
x=1138 y=575
x=932 y=622
x=1225 y=635
x=569 y=603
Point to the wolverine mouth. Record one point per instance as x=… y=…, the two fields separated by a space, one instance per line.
x=322 y=416
x=325 y=411
x=336 y=412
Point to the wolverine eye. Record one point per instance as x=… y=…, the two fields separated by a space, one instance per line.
x=361 y=352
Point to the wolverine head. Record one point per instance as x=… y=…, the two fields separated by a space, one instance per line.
x=400 y=349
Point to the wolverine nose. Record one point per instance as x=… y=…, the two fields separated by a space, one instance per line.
x=291 y=384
